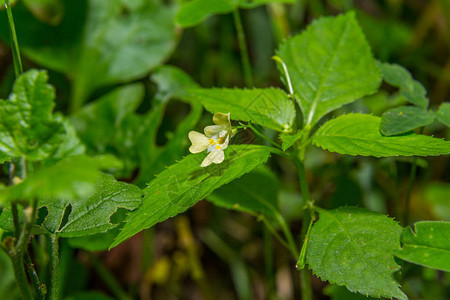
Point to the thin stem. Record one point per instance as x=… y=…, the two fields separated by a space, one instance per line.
x=14 y=43
x=30 y=217
x=15 y=214
x=108 y=278
x=305 y=276
x=288 y=234
x=40 y=290
x=243 y=48
x=412 y=178
x=275 y=233
x=260 y=134
x=286 y=75
x=55 y=271
x=19 y=271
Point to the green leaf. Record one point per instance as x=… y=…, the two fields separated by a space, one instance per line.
x=120 y=40
x=194 y=12
x=109 y=124
x=255 y=193
x=172 y=83
x=91 y=214
x=94 y=242
x=268 y=107
x=403 y=119
x=428 y=245
x=355 y=247
x=289 y=140
x=185 y=183
x=70 y=178
x=443 y=114
x=359 y=134
x=411 y=89
x=330 y=64
x=27 y=127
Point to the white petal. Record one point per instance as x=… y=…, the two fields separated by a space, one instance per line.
x=222 y=119
x=213 y=131
x=225 y=143
x=199 y=142
x=216 y=156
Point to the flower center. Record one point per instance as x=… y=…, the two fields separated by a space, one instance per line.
x=211 y=142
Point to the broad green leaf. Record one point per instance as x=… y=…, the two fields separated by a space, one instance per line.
x=428 y=245
x=436 y=195
x=4 y=157
x=91 y=214
x=330 y=64
x=27 y=127
x=255 y=193
x=411 y=89
x=359 y=134
x=109 y=124
x=185 y=183
x=70 y=178
x=121 y=40
x=403 y=119
x=355 y=248
x=172 y=83
x=443 y=114
x=268 y=107
x=289 y=140
x=196 y=11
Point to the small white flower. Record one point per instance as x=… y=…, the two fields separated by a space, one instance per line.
x=215 y=139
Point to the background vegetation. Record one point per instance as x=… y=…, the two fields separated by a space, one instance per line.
x=133 y=54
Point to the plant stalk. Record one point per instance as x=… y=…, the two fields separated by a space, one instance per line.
x=40 y=290
x=19 y=272
x=243 y=49
x=55 y=270
x=14 y=43
x=412 y=179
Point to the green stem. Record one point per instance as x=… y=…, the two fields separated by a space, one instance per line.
x=40 y=290
x=243 y=48
x=108 y=278
x=288 y=234
x=55 y=270
x=19 y=271
x=275 y=233
x=305 y=276
x=412 y=178
x=261 y=135
x=14 y=43
x=15 y=214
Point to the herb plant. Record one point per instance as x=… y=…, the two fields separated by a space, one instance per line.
x=93 y=173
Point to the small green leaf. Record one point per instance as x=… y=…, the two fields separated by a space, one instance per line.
x=359 y=134
x=428 y=245
x=194 y=12
x=27 y=127
x=185 y=183
x=355 y=247
x=411 y=89
x=268 y=107
x=91 y=215
x=443 y=114
x=330 y=64
x=70 y=178
x=289 y=140
x=254 y=193
x=172 y=83
x=403 y=119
